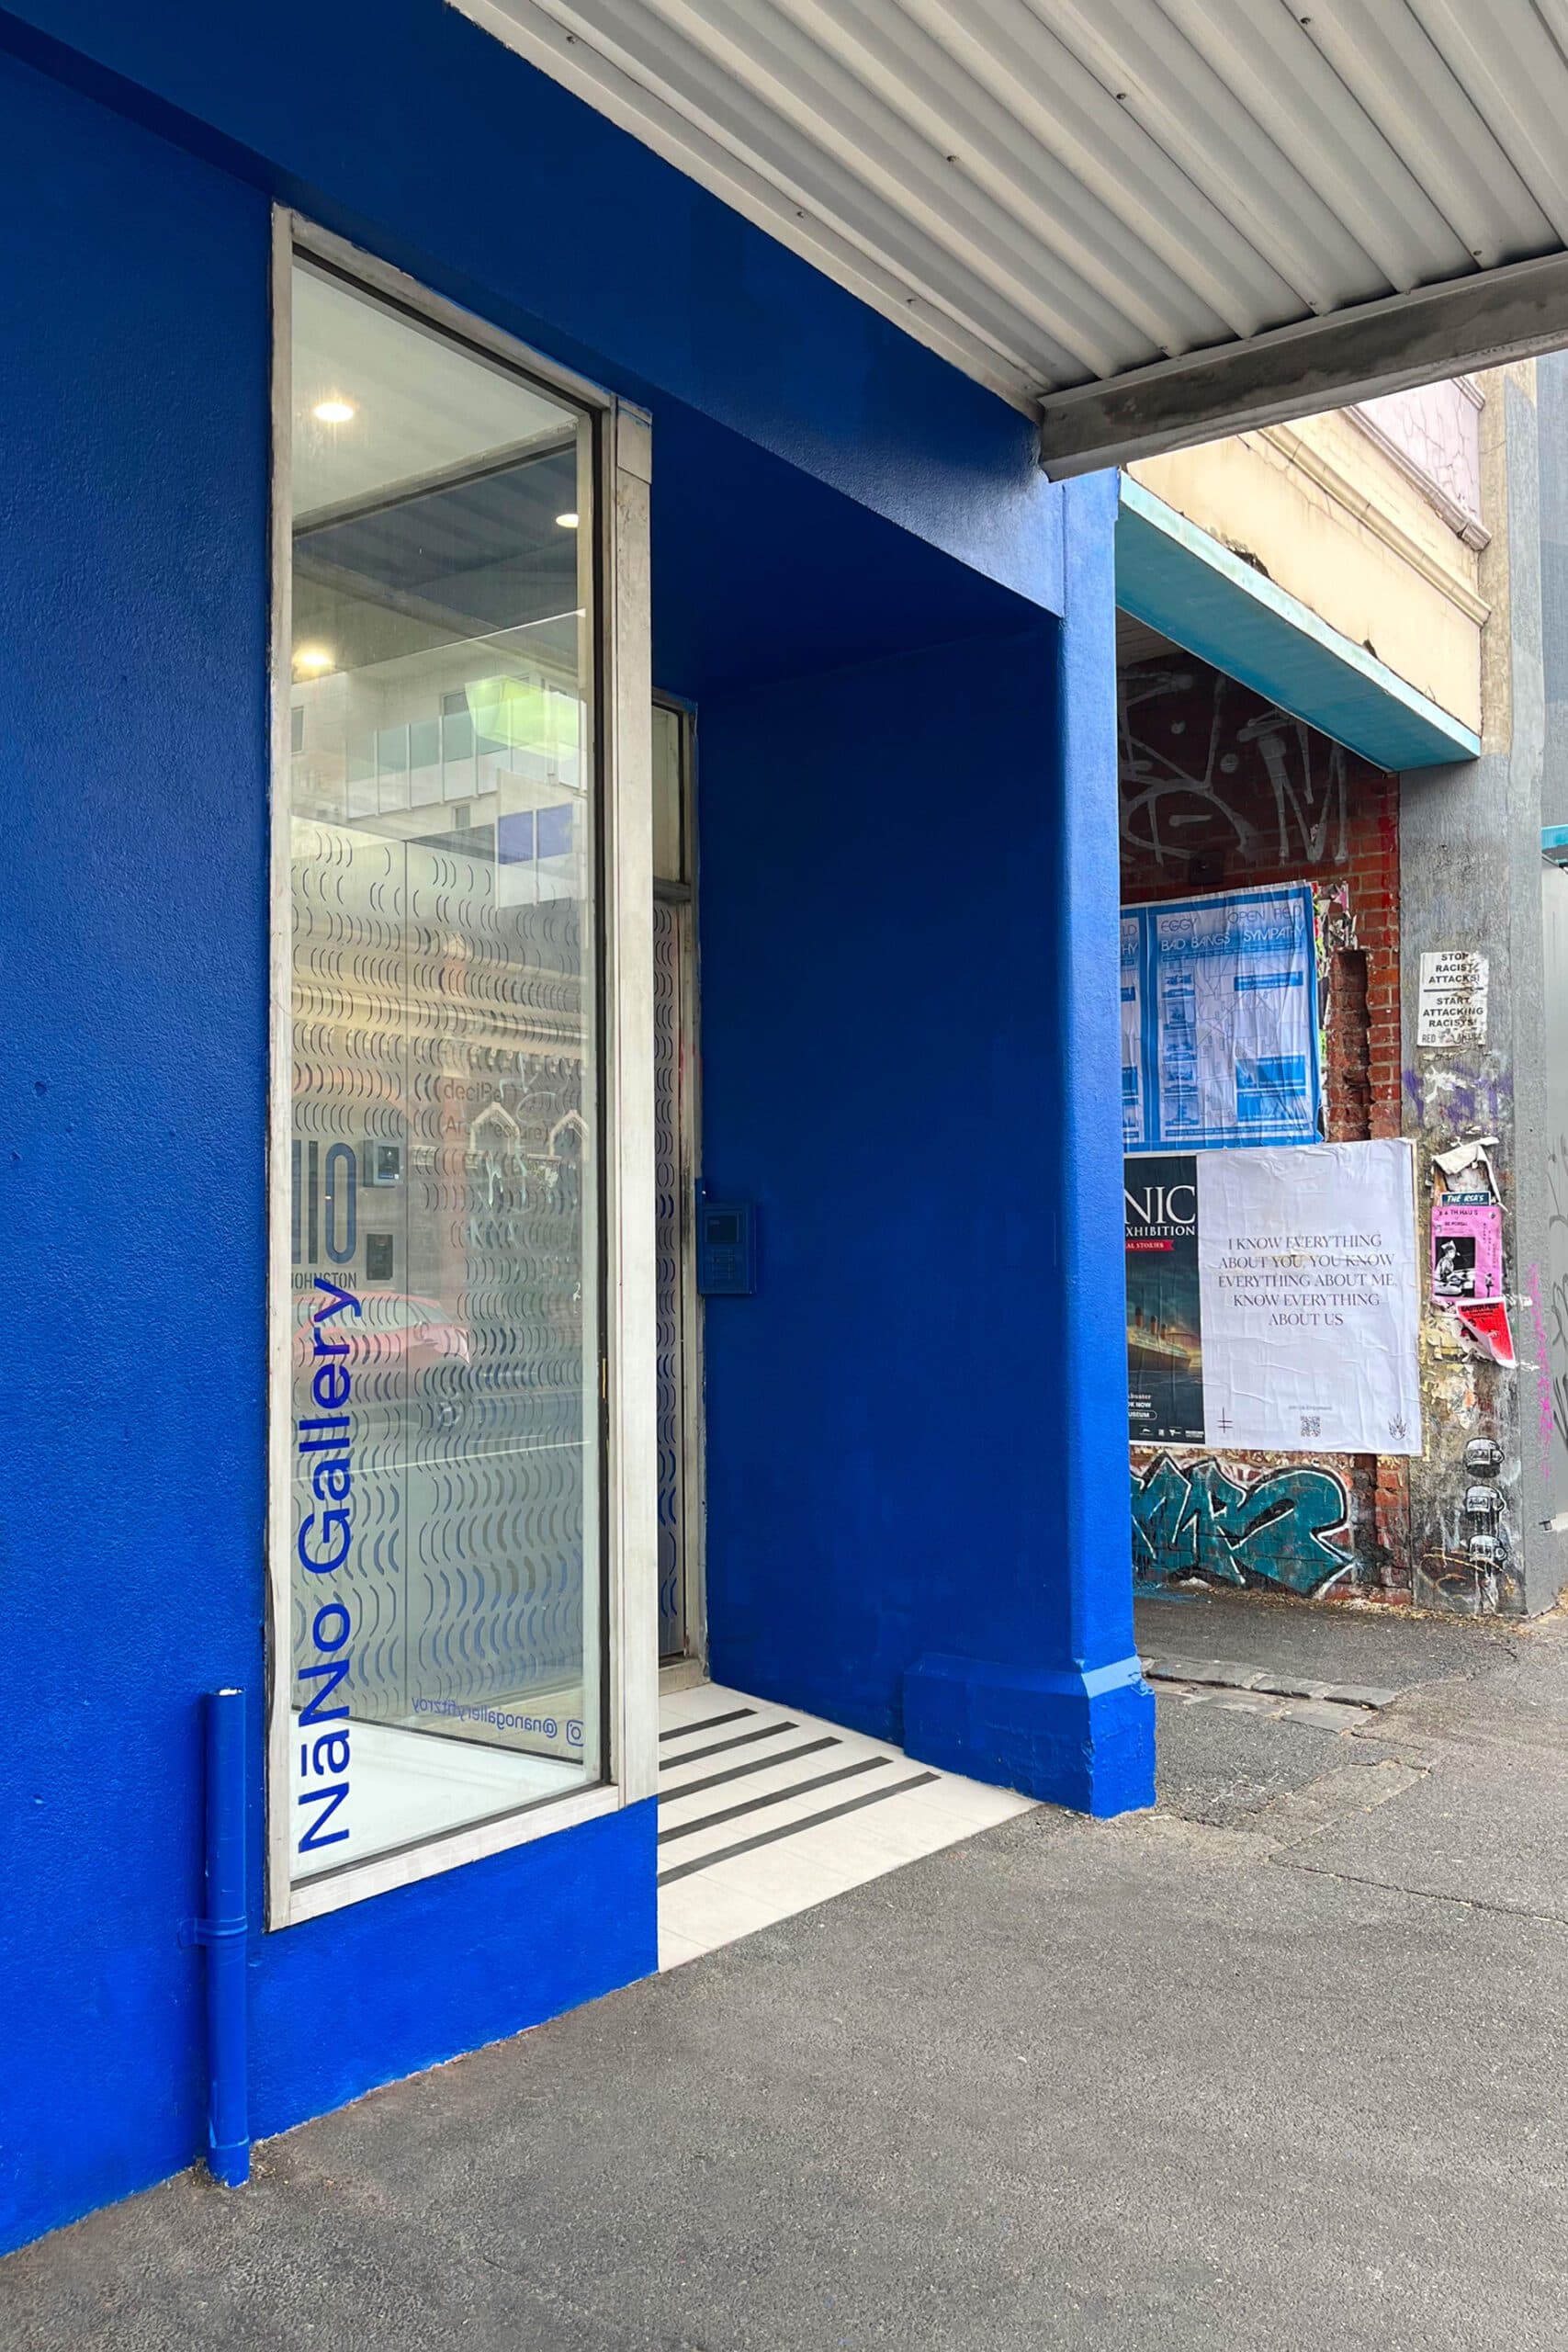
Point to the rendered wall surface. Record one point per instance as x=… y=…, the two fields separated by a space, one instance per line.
x=1434 y=431
x=905 y=1423
x=1549 y=1334
x=134 y=950
x=1220 y=792
x=1552 y=410
x=1483 y=1537
x=1551 y=407
x=134 y=726
x=398 y=123
x=1331 y=518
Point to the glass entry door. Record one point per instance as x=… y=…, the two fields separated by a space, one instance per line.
x=675 y=1130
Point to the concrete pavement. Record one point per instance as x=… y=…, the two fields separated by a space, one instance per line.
x=1280 y=2065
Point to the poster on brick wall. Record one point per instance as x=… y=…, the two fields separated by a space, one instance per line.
x=1219 y=1021
x=1164 y=1357
x=1281 y=1286
x=1134 y=1118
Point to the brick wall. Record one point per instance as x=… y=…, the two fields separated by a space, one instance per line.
x=1220 y=791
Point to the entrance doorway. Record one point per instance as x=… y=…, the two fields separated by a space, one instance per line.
x=681 y=1627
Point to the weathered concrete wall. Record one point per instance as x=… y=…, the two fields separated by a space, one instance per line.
x=1482 y=1497
x=1220 y=791
x=1552 y=413
x=1552 y=410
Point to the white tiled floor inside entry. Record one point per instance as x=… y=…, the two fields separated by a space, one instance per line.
x=764 y=1811
x=410 y=1784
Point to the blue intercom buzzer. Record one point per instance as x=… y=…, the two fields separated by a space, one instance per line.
x=726 y=1249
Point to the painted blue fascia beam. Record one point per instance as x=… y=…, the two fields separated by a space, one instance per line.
x=1177 y=579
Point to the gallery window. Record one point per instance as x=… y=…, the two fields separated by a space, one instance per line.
x=439 y=1584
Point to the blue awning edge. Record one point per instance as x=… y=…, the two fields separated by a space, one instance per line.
x=1176 y=578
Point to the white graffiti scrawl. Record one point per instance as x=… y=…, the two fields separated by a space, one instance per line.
x=1181 y=789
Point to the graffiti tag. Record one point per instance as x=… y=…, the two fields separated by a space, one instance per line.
x=1557 y=1297
x=1211 y=790
x=1196 y=1521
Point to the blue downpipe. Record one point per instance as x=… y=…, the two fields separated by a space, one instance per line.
x=224 y=1932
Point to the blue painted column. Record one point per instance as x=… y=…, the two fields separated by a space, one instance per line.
x=1067 y=1714
x=917 y=1429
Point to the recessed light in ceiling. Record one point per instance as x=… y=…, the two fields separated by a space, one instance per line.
x=334 y=411
x=314 y=660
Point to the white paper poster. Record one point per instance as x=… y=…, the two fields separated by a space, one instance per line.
x=1309 y=1299
x=1451 y=1007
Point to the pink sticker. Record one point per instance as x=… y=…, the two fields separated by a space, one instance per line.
x=1467 y=1249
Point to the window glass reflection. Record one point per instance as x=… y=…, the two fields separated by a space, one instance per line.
x=445 y=1327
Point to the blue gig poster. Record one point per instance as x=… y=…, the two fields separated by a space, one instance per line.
x=1219 y=1021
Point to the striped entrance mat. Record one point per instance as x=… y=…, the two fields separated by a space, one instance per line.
x=764 y=1811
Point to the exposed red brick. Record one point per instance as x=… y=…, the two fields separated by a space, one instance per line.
x=1219 y=792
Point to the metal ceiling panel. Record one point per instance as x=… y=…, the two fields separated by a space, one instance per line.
x=1153 y=220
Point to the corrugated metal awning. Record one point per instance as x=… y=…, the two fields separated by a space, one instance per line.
x=1156 y=220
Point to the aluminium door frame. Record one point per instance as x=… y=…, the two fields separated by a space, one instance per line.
x=682 y=898
x=628 y=1447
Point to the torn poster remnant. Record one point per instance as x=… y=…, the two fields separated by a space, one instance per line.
x=1485 y=1321
x=1456 y=1164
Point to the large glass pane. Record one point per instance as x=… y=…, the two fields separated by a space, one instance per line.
x=446 y=1633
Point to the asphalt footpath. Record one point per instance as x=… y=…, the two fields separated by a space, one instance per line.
x=1282 y=2063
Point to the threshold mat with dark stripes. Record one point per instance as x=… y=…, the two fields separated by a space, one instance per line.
x=764 y=1811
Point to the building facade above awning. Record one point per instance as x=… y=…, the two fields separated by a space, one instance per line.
x=1179 y=581
x=1154 y=221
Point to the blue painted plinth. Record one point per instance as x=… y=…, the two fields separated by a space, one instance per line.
x=1085 y=1740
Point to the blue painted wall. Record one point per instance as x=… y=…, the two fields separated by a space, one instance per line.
x=132 y=770
x=131 y=733
x=908 y=933
x=400 y=123
x=876 y=848
x=761 y=572
x=133 y=967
